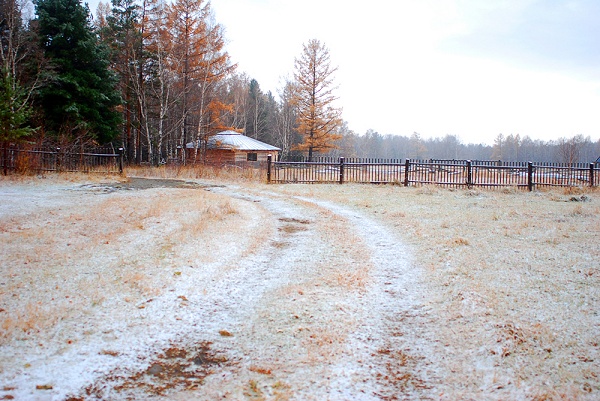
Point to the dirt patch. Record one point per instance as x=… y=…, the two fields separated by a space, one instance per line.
x=294 y=220
x=176 y=368
x=136 y=183
x=293 y=225
x=401 y=374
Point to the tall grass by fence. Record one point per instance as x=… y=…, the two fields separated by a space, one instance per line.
x=454 y=173
x=54 y=159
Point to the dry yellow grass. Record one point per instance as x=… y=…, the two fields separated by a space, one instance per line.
x=100 y=247
x=515 y=281
x=514 y=277
x=223 y=174
x=352 y=271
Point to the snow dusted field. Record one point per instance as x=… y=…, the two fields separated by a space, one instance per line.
x=162 y=289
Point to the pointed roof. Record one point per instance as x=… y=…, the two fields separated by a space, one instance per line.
x=237 y=141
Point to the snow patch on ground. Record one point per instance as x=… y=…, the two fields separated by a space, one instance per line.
x=301 y=299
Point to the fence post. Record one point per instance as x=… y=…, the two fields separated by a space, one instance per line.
x=530 y=176
x=121 y=161
x=57 y=160
x=406 y=168
x=469 y=174
x=269 y=160
x=342 y=170
x=592 y=175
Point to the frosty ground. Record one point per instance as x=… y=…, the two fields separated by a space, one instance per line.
x=195 y=289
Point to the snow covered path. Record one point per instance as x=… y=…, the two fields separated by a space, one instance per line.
x=300 y=299
x=338 y=313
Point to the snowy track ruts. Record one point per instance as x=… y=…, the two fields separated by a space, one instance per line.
x=331 y=309
x=324 y=304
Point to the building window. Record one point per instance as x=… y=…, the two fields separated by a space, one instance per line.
x=251 y=157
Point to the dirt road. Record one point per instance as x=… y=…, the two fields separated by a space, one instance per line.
x=271 y=297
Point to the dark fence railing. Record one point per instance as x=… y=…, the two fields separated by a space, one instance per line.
x=54 y=159
x=453 y=173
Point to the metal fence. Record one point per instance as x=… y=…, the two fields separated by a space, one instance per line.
x=54 y=159
x=453 y=173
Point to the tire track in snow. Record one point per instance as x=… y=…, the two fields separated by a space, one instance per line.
x=284 y=321
x=382 y=359
x=392 y=345
x=222 y=296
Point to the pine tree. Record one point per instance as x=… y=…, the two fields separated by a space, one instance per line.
x=14 y=110
x=257 y=113
x=79 y=98
x=318 y=121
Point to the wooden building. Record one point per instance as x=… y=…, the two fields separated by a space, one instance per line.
x=230 y=147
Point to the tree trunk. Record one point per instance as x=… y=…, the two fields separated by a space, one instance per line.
x=5 y=157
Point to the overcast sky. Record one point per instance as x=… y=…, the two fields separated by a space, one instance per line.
x=470 y=68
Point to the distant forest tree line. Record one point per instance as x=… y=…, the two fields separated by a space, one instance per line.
x=152 y=76
x=510 y=148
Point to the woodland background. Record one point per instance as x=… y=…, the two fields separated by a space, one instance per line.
x=152 y=76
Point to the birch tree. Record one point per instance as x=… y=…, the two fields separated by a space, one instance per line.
x=15 y=107
x=235 y=91
x=159 y=42
x=286 y=119
x=569 y=149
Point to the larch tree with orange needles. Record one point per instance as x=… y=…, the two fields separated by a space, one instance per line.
x=201 y=63
x=317 y=119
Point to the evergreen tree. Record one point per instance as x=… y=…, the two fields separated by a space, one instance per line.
x=14 y=110
x=79 y=98
x=261 y=113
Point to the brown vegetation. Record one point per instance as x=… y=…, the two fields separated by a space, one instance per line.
x=514 y=281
